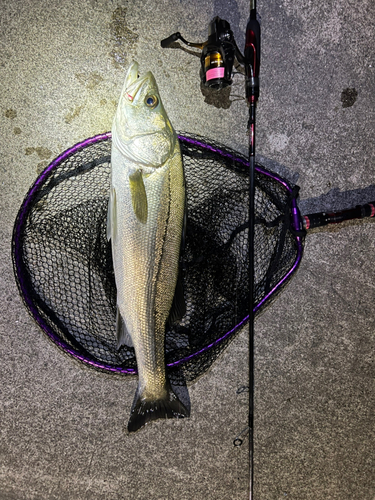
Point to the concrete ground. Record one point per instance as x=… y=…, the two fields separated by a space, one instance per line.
x=62 y=65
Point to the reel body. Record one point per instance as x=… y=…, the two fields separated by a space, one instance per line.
x=218 y=55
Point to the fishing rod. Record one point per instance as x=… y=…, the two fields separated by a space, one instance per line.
x=217 y=58
x=252 y=62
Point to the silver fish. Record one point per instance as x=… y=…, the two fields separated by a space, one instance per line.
x=145 y=224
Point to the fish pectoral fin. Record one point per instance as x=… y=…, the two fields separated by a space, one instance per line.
x=139 y=197
x=111 y=215
x=178 y=308
x=123 y=336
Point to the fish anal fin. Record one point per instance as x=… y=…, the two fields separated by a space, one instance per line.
x=123 y=336
x=138 y=195
x=178 y=308
x=146 y=410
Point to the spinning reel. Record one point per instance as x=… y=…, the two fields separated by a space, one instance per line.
x=220 y=51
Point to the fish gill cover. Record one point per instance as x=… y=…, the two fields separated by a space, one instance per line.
x=63 y=263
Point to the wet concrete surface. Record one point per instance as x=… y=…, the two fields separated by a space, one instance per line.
x=62 y=66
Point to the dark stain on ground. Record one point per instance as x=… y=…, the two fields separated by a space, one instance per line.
x=308 y=126
x=43 y=153
x=69 y=117
x=218 y=98
x=89 y=80
x=10 y=113
x=348 y=97
x=17 y=131
x=123 y=38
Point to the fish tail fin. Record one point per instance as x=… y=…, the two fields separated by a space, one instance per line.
x=146 y=410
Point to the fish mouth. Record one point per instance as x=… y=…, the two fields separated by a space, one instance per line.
x=133 y=81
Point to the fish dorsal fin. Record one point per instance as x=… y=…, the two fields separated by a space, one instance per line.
x=139 y=197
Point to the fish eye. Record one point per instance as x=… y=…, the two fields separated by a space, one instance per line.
x=151 y=101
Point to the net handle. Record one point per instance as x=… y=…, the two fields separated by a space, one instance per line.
x=320 y=219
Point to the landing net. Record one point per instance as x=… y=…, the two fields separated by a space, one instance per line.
x=63 y=264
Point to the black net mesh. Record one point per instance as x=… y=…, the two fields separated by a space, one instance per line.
x=63 y=263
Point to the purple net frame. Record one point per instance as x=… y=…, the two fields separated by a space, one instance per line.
x=17 y=253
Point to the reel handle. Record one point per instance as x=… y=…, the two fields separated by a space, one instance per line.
x=168 y=41
x=177 y=36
